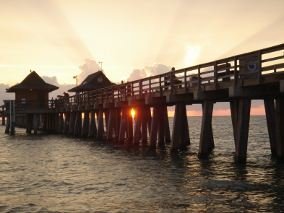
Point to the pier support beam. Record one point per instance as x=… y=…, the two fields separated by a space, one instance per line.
x=29 y=124
x=269 y=105
x=240 y=112
x=180 y=136
x=100 y=117
x=167 y=127
x=206 y=144
x=145 y=120
x=85 y=127
x=112 y=127
x=123 y=125
x=66 y=122
x=71 y=123
x=78 y=124
x=274 y=109
x=137 y=126
x=60 y=118
x=92 y=127
x=35 y=123
x=154 y=127
x=129 y=123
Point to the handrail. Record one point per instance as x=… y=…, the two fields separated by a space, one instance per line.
x=186 y=78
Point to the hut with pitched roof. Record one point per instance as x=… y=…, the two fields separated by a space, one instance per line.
x=93 y=81
x=31 y=96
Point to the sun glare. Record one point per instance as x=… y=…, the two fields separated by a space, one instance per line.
x=191 y=55
x=132 y=112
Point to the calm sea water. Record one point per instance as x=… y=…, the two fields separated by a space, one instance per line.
x=52 y=173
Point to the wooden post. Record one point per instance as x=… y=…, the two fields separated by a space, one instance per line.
x=206 y=136
x=71 y=123
x=167 y=126
x=92 y=127
x=279 y=109
x=66 y=122
x=100 y=134
x=180 y=136
x=78 y=124
x=269 y=105
x=85 y=127
x=161 y=127
x=234 y=106
x=129 y=127
x=60 y=122
x=154 y=127
x=110 y=125
x=137 y=125
x=117 y=123
x=29 y=123
x=123 y=125
x=144 y=121
x=242 y=130
x=35 y=123
x=7 y=129
x=3 y=116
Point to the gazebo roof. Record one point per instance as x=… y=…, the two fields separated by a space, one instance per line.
x=32 y=82
x=93 y=81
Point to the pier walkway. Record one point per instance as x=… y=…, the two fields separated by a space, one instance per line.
x=104 y=114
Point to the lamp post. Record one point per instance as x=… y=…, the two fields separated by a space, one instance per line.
x=76 y=77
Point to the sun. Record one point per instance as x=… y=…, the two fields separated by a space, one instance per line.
x=132 y=112
x=192 y=53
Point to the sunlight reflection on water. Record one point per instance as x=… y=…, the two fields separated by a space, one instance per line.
x=56 y=173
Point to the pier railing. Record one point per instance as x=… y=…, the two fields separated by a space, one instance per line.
x=253 y=65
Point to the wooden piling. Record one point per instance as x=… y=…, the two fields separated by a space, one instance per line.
x=180 y=135
x=78 y=124
x=137 y=126
x=100 y=117
x=123 y=125
x=110 y=130
x=167 y=126
x=92 y=127
x=242 y=129
x=161 y=127
x=66 y=122
x=279 y=130
x=35 y=123
x=154 y=127
x=206 y=143
x=269 y=104
x=129 y=121
x=71 y=123
x=85 y=127
x=144 y=122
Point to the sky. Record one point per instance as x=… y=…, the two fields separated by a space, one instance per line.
x=60 y=39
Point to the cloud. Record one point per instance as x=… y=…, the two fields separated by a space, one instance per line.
x=90 y=66
x=4 y=95
x=147 y=71
x=62 y=87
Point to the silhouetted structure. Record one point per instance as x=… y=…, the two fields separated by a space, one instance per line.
x=30 y=95
x=236 y=80
x=93 y=81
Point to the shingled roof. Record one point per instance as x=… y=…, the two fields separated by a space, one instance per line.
x=32 y=82
x=93 y=81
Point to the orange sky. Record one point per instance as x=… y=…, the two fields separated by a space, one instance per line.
x=55 y=37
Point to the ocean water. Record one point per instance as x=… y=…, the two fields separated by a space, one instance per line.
x=53 y=173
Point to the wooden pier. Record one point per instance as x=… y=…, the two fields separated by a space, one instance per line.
x=104 y=114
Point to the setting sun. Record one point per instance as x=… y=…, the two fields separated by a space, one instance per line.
x=191 y=55
x=132 y=112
